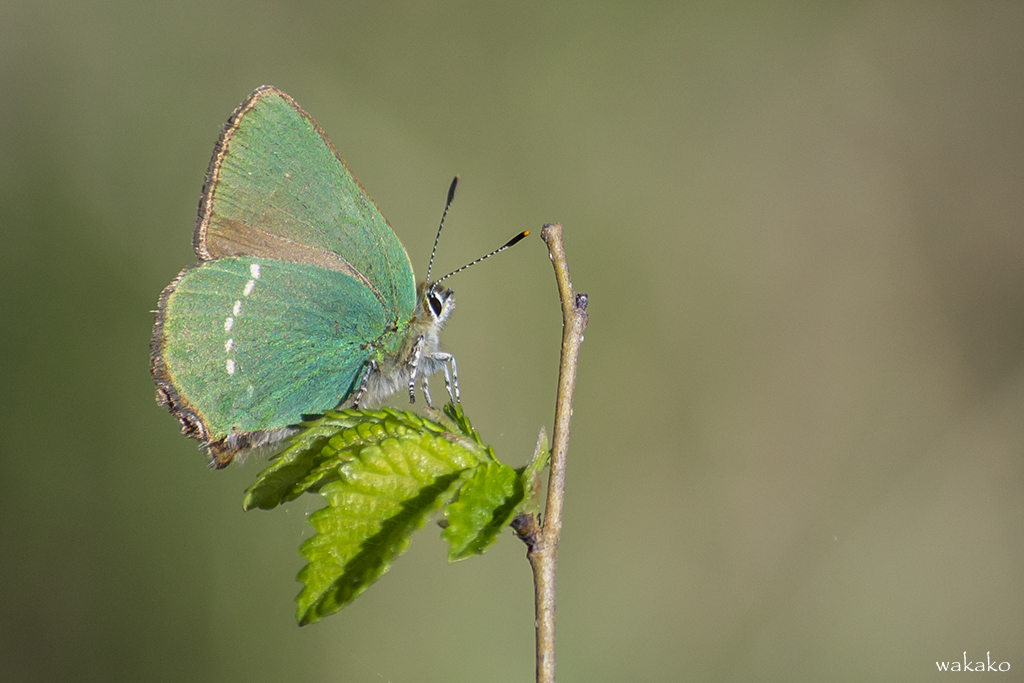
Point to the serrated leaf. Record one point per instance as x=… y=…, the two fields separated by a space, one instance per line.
x=461 y=421
x=310 y=458
x=380 y=494
x=485 y=505
x=456 y=415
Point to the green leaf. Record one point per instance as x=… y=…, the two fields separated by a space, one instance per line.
x=462 y=423
x=310 y=457
x=485 y=505
x=529 y=476
x=383 y=474
x=387 y=483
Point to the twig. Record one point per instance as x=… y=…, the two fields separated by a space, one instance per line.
x=542 y=541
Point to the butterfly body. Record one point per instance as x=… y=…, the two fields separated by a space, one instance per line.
x=411 y=352
x=304 y=299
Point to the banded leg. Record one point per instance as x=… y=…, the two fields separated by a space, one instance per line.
x=414 y=364
x=371 y=367
x=426 y=391
x=451 y=379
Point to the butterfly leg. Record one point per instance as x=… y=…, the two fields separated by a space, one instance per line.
x=426 y=391
x=414 y=369
x=371 y=367
x=451 y=379
x=455 y=378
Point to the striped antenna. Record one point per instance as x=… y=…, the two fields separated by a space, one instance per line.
x=508 y=245
x=451 y=196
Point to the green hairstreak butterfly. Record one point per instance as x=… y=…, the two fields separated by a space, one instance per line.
x=303 y=299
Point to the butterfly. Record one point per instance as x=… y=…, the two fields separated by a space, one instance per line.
x=303 y=299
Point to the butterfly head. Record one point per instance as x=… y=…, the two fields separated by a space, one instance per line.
x=436 y=303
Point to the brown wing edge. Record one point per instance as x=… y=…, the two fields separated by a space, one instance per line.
x=220 y=150
x=192 y=423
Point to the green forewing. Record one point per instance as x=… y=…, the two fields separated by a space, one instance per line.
x=278 y=188
x=254 y=343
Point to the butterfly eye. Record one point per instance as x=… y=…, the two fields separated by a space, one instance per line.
x=436 y=304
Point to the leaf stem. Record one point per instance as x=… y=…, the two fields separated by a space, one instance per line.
x=542 y=542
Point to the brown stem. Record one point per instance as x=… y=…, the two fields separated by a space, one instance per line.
x=542 y=542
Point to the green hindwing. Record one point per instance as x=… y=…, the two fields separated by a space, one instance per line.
x=253 y=344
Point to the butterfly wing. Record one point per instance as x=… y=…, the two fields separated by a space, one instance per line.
x=301 y=277
x=278 y=188
x=248 y=345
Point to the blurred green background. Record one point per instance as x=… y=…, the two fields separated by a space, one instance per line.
x=797 y=443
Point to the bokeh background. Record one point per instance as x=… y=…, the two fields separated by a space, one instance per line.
x=797 y=446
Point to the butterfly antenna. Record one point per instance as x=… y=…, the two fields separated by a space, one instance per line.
x=508 y=245
x=447 y=204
